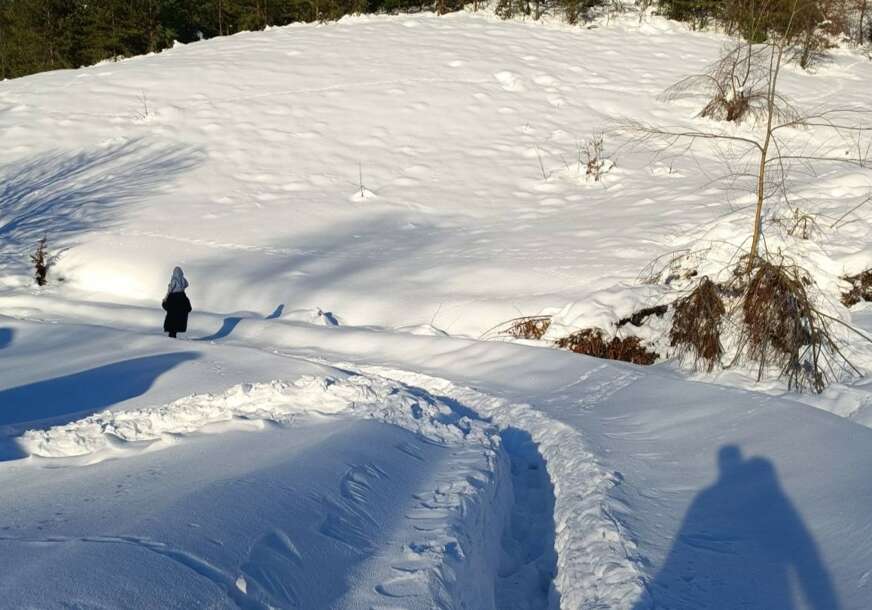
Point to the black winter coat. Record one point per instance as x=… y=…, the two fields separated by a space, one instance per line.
x=177 y=307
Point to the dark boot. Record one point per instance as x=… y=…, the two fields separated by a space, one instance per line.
x=173 y=335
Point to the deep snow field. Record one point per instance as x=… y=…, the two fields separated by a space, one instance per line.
x=354 y=204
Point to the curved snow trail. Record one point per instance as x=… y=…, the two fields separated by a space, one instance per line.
x=595 y=558
x=593 y=561
x=624 y=467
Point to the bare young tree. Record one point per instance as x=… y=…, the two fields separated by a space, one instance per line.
x=768 y=296
x=744 y=84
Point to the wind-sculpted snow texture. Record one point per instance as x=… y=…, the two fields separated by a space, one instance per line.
x=422 y=512
x=277 y=402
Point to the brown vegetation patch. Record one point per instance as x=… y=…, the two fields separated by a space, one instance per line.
x=696 y=325
x=733 y=110
x=782 y=327
x=533 y=327
x=592 y=342
x=861 y=288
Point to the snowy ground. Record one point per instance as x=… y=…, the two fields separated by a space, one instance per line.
x=353 y=204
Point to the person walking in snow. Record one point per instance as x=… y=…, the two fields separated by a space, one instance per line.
x=176 y=304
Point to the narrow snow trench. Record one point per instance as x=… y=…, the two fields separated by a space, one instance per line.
x=525 y=579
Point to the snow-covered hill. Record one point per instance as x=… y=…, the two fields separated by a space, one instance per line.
x=353 y=204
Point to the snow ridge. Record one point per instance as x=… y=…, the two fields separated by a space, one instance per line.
x=456 y=520
x=245 y=405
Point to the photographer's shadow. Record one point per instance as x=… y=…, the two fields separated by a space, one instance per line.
x=742 y=544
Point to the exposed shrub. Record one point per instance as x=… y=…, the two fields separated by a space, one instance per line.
x=595 y=162
x=696 y=325
x=533 y=327
x=592 y=342
x=781 y=327
x=638 y=318
x=736 y=86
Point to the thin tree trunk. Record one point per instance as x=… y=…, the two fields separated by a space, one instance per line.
x=50 y=37
x=2 y=57
x=774 y=68
x=861 y=38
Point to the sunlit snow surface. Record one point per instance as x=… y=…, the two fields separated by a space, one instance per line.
x=353 y=203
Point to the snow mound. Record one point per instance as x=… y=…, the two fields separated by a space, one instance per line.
x=316 y=316
x=245 y=404
x=604 y=308
x=423 y=330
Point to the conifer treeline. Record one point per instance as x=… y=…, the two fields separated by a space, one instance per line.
x=753 y=19
x=38 y=35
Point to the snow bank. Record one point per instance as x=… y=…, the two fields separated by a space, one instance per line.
x=460 y=514
x=601 y=310
x=277 y=401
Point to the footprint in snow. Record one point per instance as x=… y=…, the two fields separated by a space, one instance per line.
x=509 y=81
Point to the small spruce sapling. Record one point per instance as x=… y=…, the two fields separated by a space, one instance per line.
x=42 y=262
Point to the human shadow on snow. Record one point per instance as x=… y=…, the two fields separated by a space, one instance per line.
x=6 y=336
x=64 y=399
x=742 y=544
x=60 y=194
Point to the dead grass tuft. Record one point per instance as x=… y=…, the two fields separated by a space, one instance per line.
x=525 y=327
x=727 y=109
x=533 y=327
x=592 y=342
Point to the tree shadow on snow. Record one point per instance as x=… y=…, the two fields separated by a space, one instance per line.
x=742 y=544
x=346 y=256
x=64 y=399
x=6 y=335
x=60 y=194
